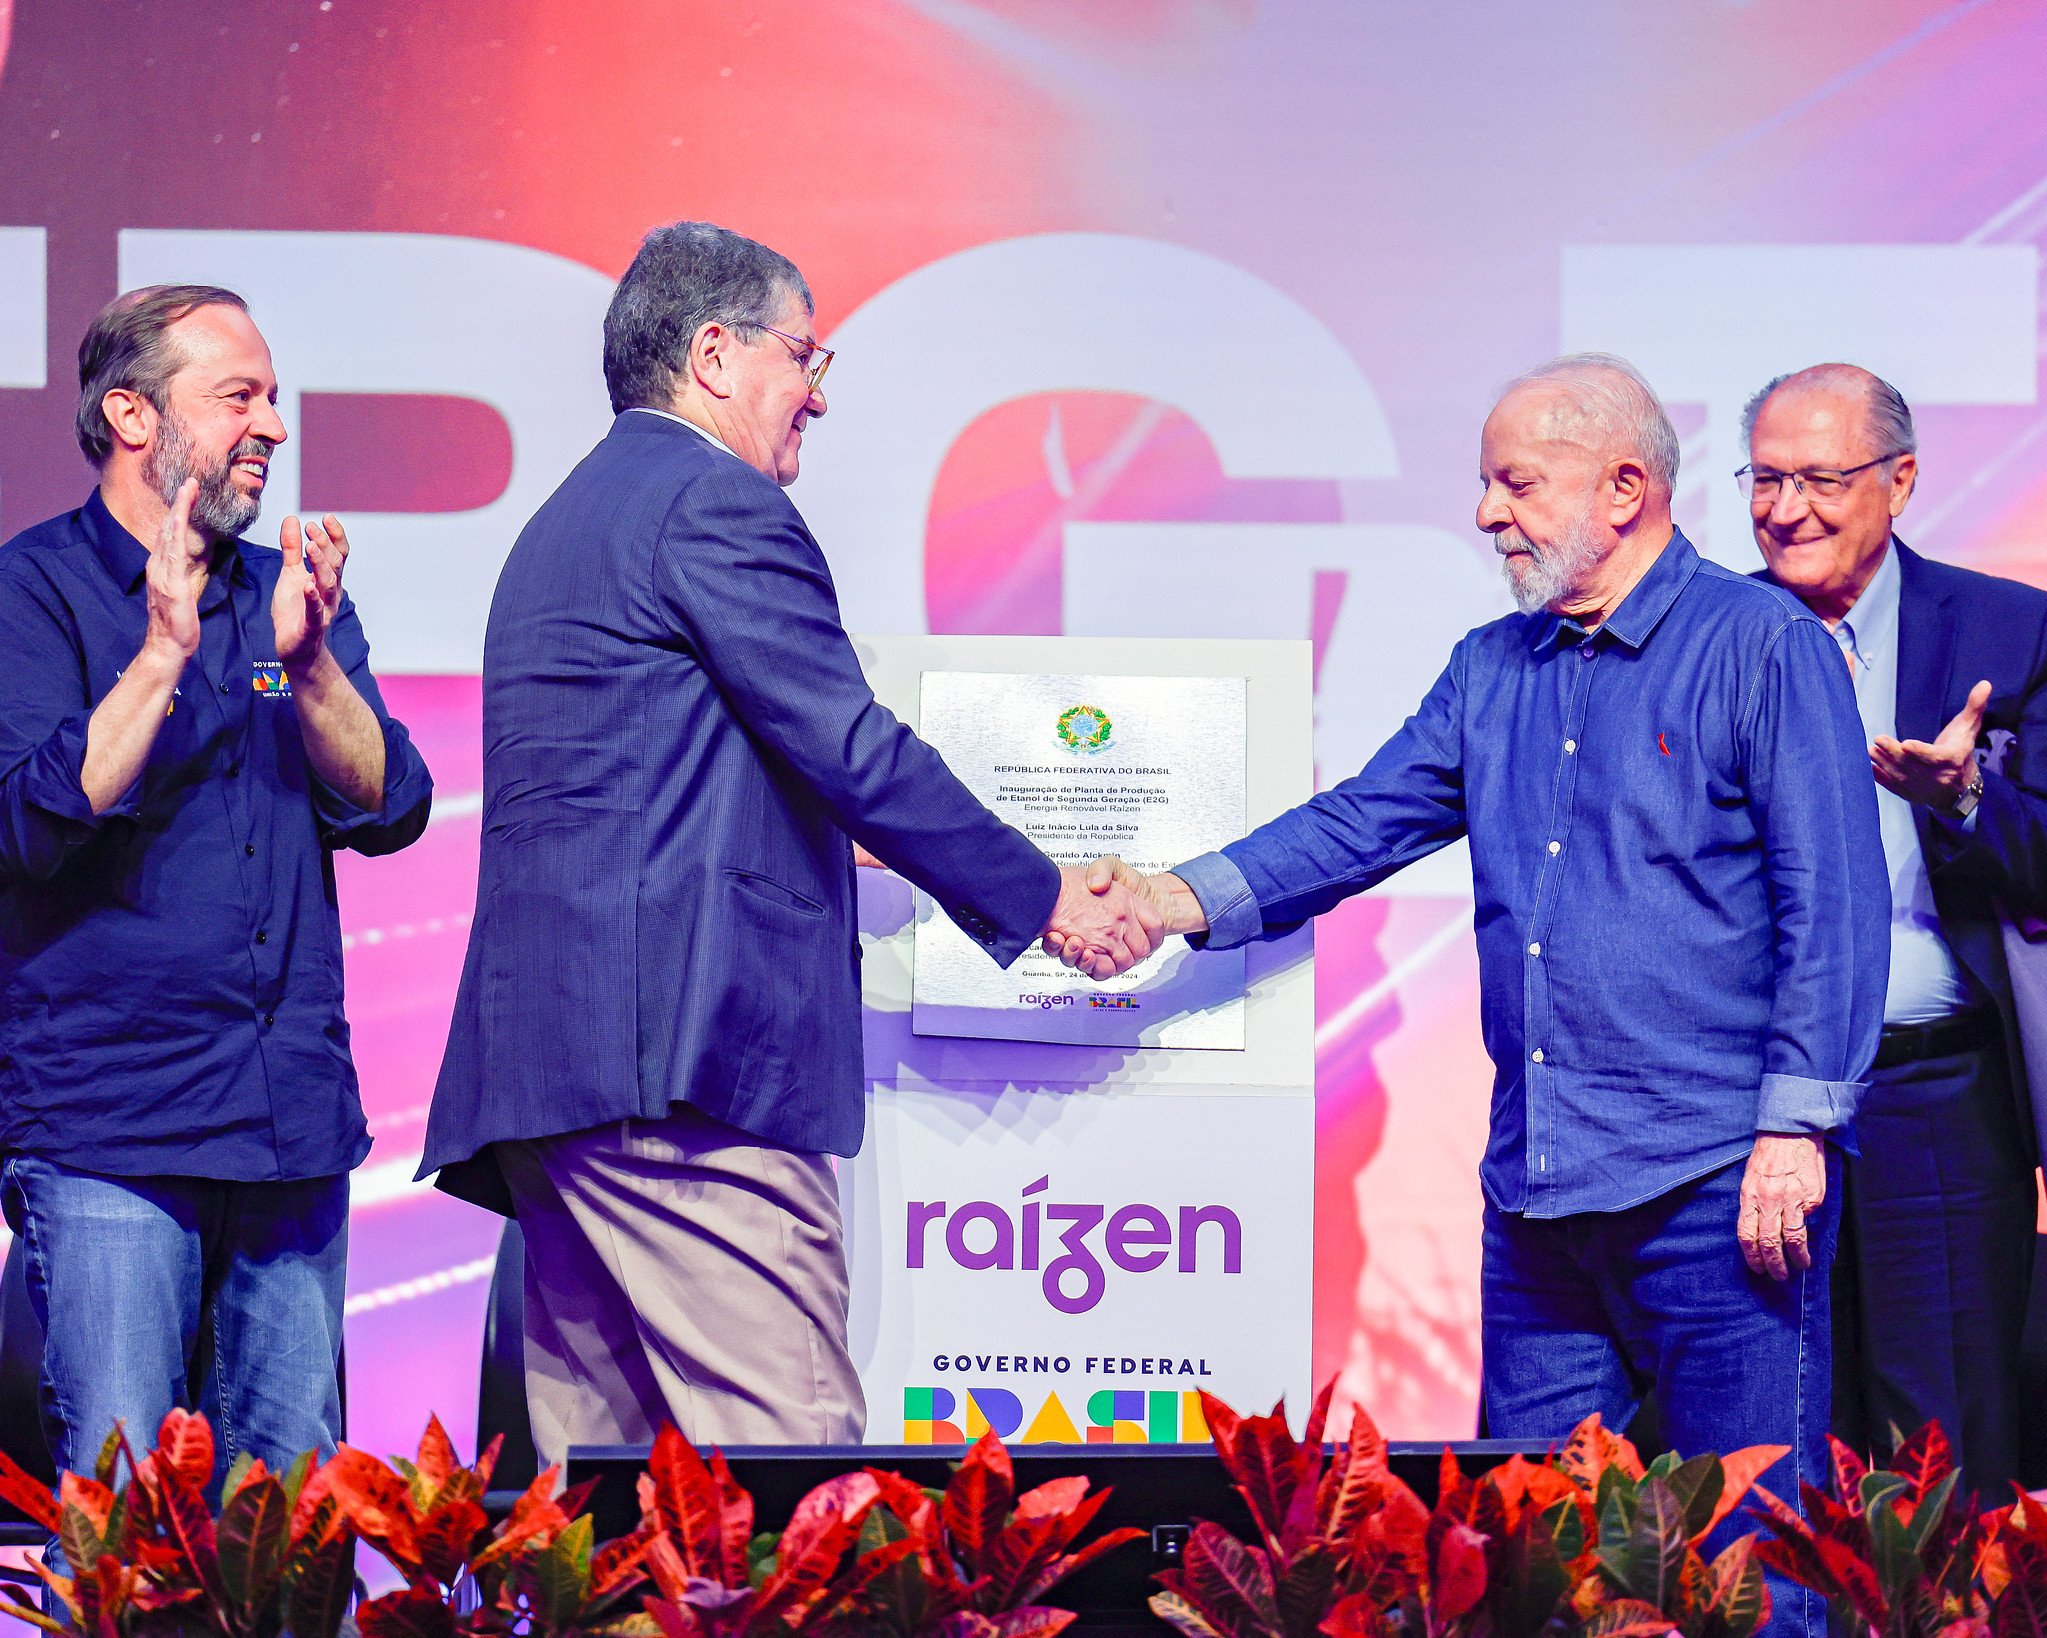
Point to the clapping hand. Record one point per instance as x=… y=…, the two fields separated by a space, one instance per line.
x=1933 y=775
x=175 y=577
x=1104 y=922
x=308 y=597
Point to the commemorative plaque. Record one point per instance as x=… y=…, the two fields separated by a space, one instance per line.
x=1148 y=768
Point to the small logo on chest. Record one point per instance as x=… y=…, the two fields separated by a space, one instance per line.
x=269 y=680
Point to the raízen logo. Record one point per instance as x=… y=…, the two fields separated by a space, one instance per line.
x=1085 y=728
x=1138 y=1239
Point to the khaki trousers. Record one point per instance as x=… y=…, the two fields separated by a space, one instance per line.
x=679 y=1271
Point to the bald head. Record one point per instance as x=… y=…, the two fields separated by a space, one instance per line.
x=1860 y=400
x=1600 y=404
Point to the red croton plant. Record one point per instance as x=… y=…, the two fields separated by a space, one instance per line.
x=868 y=1552
x=1589 y=1541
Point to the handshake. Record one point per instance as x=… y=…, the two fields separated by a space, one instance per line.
x=1109 y=917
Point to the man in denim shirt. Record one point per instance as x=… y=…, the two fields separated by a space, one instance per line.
x=188 y=730
x=1682 y=931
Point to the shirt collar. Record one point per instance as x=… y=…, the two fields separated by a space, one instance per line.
x=1871 y=623
x=127 y=559
x=644 y=409
x=1647 y=602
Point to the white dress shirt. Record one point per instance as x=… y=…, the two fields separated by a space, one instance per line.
x=642 y=409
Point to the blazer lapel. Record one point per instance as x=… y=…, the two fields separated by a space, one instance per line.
x=1926 y=649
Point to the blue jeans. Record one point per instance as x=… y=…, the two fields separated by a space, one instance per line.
x=1589 y=1312
x=131 y=1276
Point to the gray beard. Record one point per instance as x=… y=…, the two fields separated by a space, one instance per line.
x=1549 y=572
x=220 y=511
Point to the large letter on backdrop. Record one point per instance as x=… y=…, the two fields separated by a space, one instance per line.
x=24 y=304
x=1065 y=312
x=1709 y=324
x=512 y=327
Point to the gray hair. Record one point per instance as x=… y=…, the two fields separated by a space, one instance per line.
x=1610 y=400
x=687 y=275
x=1890 y=417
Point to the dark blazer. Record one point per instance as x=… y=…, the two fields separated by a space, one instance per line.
x=1956 y=627
x=678 y=741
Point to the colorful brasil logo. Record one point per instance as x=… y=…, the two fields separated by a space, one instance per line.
x=1115 y=1416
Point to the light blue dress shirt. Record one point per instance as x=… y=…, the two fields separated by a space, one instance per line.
x=1925 y=983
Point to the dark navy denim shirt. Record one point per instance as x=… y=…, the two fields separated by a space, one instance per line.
x=1681 y=900
x=170 y=970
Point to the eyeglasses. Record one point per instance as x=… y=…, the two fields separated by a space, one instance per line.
x=1815 y=483
x=805 y=352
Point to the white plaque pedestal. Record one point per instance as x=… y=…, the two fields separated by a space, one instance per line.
x=1064 y=1240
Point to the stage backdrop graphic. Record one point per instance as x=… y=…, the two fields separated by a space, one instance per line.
x=1156 y=320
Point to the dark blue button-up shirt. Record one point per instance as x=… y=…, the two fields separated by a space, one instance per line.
x=1682 y=906
x=170 y=970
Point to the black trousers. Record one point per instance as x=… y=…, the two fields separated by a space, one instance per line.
x=1935 y=1269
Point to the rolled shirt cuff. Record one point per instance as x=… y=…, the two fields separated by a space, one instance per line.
x=54 y=778
x=1226 y=900
x=1800 y=1105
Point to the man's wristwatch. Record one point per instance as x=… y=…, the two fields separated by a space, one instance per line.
x=1965 y=804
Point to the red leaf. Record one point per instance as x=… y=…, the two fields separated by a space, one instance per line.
x=1032 y=1621
x=23 y=1493
x=838 y=1501
x=417 y=1612
x=1849 y=1470
x=675 y=1619
x=437 y=1458
x=1459 y=1575
x=445 y=1536
x=1073 y=1563
x=533 y=1514
x=1055 y=1498
x=191 y=1526
x=1357 y=1616
x=1924 y=1460
x=978 y=1499
x=376 y=1501
x=619 y=1565
x=185 y=1442
x=1228 y=1581
x=1592 y=1449
x=1262 y=1459
x=1318 y=1415
x=1524 y=1485
x=1389 y=1552
x=735 y=1520
x=1017 y=1557
x=803 y=1575
x=1740 y=1469
x=679 y=1494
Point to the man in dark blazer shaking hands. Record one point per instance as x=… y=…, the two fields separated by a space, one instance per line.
x=656 y=1046
x=1937 y=1236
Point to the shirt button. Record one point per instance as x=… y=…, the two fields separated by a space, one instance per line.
x=1570 y=747
x=250 y=848
x=227 y=688
x=269 y=1018
x=1536 y=1055
x=233 y=768
x=262 y=937
x=1533 y=949
x=1554 y=847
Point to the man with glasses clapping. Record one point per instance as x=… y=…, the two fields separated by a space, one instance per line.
x=1935 y=1263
